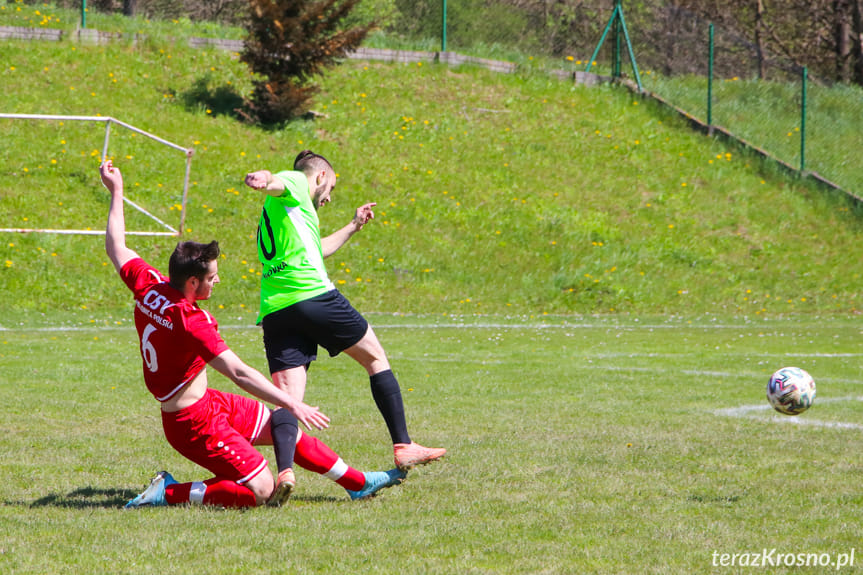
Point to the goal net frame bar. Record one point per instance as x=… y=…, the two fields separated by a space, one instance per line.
x=108 y=120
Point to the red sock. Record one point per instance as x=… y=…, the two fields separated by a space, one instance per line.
x=215 y=491
x=314 y=455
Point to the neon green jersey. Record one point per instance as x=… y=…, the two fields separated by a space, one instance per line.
x=289 y=247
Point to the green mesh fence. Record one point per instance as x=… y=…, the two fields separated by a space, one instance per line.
x=517 y=30
x=755 y=96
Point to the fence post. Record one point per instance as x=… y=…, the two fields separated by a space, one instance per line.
x=616 y=57
x=710 y=84
x=83 y=13
x=443 y=28
x=803 y=122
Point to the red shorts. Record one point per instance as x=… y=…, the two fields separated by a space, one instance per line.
x=217 y=433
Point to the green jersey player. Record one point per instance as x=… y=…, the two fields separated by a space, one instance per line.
x=300 y=307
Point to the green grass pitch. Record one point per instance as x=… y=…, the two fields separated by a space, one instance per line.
x=576 y=446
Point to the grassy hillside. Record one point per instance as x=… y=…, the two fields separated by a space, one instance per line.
x=497 y=194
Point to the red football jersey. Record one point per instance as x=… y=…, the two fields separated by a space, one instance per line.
x=177 y=337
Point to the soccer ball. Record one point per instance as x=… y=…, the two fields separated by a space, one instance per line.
x=791 y=391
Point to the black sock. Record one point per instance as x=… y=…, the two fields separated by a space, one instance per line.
x=284 y=428
x=388 y=397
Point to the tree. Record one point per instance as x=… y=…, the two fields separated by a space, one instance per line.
x=291 y=42
x=824 y=35
x=857 y=40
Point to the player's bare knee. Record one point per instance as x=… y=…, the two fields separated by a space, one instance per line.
x=370 y=354
x=291 y=381
x=262 y=487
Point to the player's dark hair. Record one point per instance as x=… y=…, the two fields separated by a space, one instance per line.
x=309 y=162
x=191 y=259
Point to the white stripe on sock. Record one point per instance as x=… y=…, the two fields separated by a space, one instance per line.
x=338 y=469
x=196 y=494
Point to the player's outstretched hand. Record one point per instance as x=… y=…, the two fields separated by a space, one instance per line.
x=257 y=180
x=111 y=176
x=311 y=417
x=364 y=214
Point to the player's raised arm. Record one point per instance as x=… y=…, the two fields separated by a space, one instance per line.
x=251 y=380
x=331 y=243
x=265 y=181
x=115 y=233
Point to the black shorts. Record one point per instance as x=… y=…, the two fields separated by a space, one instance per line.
x=292 y=335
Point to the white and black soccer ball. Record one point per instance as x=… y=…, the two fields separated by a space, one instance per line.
x=791 y=391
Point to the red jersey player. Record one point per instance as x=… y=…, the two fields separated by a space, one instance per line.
x=214 y=429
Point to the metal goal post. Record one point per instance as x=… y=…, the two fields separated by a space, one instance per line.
x=108 y=121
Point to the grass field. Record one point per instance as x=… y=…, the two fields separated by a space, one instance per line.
x=577 y=445
x=582 y=299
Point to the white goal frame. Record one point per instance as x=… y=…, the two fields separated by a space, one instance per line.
x=107 y=120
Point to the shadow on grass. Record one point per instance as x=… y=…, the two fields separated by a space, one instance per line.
x=225 y=100
x=217 y=100
x=86 y=498
x=315 y=499
x=92 y=497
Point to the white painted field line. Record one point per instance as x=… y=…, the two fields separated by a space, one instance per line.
x=755 y=412
x=489 y=325
x=376 y=326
